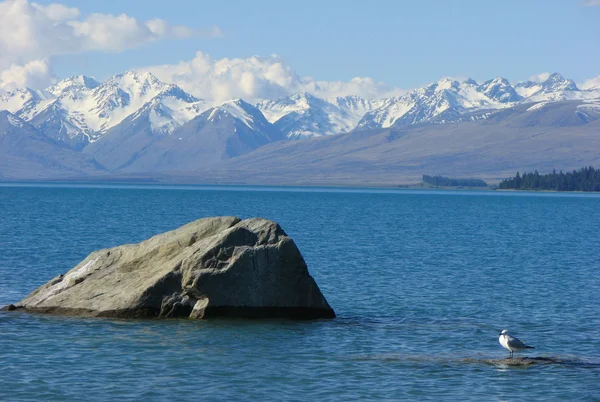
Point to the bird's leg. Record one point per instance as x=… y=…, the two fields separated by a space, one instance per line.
x=511 y=354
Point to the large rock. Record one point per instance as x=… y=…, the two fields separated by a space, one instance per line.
x=219 y=266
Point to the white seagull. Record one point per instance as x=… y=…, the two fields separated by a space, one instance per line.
x=511 y=343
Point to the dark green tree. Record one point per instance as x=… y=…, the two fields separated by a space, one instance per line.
x=584 y=179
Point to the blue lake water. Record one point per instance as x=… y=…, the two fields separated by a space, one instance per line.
x=420 y=281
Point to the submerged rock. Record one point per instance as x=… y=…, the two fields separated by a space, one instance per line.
x=519 y=361
x=221 y=266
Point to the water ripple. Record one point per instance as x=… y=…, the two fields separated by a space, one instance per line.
x=420 y=282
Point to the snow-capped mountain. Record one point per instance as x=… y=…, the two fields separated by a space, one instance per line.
x=554 y=88
x=302 y=115
x=72 y=84
x=170 y=110
x=26 y=152
x=79 y=110
x=134 y=123
x=443 y=101
x=450 y=101
x=244 y=117
x=499 y=90
x=106 y=105
x=593 y=84
x=23 y=101
x=221 y=132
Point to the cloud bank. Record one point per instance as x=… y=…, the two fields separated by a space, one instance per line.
x=592 y=83
x=541 y=77
x=256 y=78
x=31 y=34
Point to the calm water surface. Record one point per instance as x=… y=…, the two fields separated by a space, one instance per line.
x=419 y=280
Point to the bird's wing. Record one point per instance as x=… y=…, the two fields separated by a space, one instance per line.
x=516 y=343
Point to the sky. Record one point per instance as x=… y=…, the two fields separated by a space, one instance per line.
x=265 y=49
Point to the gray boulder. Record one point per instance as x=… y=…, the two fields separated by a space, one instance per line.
x=221 y=266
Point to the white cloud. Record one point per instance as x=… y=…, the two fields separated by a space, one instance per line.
x=31 y=32
x=459 y=78
x=539 y=77
x=590 y=3
x=57 y=12
x=107 y=32
x=35 y=74
x=256 y=78
x=592 y=83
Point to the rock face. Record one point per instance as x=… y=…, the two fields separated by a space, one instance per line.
x=221 y=266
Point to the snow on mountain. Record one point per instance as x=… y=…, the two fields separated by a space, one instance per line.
x=237 y=108
x=112 y=101
x=228 y=130
x=11 y=124
x=554 y=88
x=241 y=112
x=22 y=101
x=14 y=120
x=355 y=107
x=73 y=84
x=170 y=110
x=26 y=153
x=15 y=100
x=79 y=110
x=499 y=89
x=62 y=126
x=303 y=115
x=591 y=84
x=442 y=102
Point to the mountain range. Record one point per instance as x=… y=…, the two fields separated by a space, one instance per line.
x=134 y=124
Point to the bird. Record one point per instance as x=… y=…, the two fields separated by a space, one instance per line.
x=511 y=343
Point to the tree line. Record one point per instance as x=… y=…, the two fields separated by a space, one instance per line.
x=584 y=179
x=442 y=181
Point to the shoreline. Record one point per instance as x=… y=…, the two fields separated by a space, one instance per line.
x=183 y=185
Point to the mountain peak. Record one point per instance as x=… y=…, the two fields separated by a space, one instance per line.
x=441 y=86
x=138 y=75
x=305 y=97
x=236 y=101
x=11 y=119
x=236 y=108
x=557 y=82
x=76 y=82
x=131 y=78
x=499 y=81
x=499 y=89
x=555 y=77
x=447 y=83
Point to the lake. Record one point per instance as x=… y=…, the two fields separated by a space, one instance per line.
x=420 y=281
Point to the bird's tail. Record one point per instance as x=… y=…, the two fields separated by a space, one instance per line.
x=529 y=347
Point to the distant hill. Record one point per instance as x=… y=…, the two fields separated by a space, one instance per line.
x=135 y=124
x=26 y=153
x=489 y=150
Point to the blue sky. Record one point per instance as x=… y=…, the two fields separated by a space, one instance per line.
x=405 y=44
